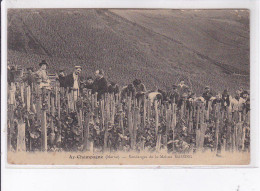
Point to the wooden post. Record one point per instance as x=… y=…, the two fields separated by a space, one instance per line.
x=107 y=114
x=144 y=115
x=203 y=127
x=134 y=114
x=28 y=98
x=86 y=133
x=52 y=135
x=68 y=100
x=38 y=107
x=21 y=146
x=113 y=109
x=239 y=132
x=56 y=93
x=130 y=122
x=58 y=104
x=173 y=124
x=149 y=112
x=229 y=132
x=95 y=98
x=168 y=125
x=11 y=125
x=158 y=143
x=44 y=130
x=80 y=122
x=121 y=123
x=182 y=110
x=156 y=118
x=224 y=144
x=49 y=101
x=243 y=138
x=102 y=107
x=70 y=104
x=197 y=126
x=190 y=121
x=208 y=110
x=217 y=127
x=22 y=91
x=12 y=94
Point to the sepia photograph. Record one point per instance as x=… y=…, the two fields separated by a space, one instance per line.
x=128 y=86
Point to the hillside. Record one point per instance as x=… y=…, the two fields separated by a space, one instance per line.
x=209 y=47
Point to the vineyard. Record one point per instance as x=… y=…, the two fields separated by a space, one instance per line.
x=46 y=120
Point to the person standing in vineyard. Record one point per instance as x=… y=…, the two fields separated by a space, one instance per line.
x=61 y=79
x=100 y=84
x=237 y=102
x=226 y=99
x=140 y=90
x=73 y=82
x=43 y=78
x=207 y=94
x=183 y=88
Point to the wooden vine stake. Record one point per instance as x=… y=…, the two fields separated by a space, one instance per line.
x=173 y=124
x=21 y=146
x=44 y=130
x=217 y=127
x=52 y=134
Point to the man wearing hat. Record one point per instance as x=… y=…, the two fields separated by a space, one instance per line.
x=73 y=81
x=207 y=95
x=43 y=78
x=100 y=84
x=183 y=88
x=226 y=99
x=61 y=78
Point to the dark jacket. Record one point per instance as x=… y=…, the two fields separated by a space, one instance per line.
x=113 y=89
x=246 y=105
x=226 y=101
x=62 y=81
x=100 y=86
x=69 y=81
x=174 y=97
x=29 y=79
x=88 y=86
x=140 y=88
x=207 y=95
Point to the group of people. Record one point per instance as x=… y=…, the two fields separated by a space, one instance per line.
x=179 y=94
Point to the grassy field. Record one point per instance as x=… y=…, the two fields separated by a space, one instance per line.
x=209 y=47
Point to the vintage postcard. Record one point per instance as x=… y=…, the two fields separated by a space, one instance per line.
x=128 y=87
